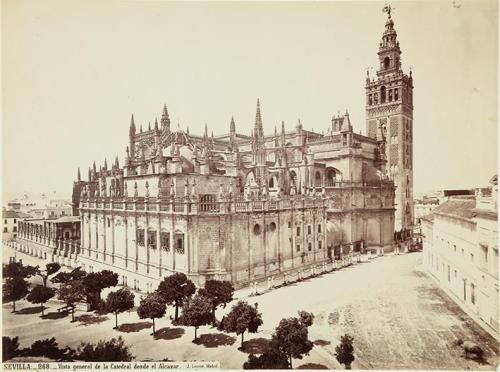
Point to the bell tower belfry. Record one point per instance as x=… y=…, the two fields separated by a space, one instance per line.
x=389 y=118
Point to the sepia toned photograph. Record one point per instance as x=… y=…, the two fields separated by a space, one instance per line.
x=249 y=185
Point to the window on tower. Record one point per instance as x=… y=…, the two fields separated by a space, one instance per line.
x=370 y=100
x=396 y=94
x=387 y=63
x=390 y=95
x=382 y=94
x=375 y=98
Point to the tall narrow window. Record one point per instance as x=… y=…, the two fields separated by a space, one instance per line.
x=382 y=94
x=152 y=239
x=179 y=243
x=165 y=241
x=140 y=237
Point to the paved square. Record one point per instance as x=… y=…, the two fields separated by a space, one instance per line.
x=398 y=317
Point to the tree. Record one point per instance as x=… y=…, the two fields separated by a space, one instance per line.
x=10 y=348
x=220 y=292
x=113 y=350
x=119 y=301
x=175 y=289
x=71 y=293
x=96 y=282
x=242 y=317
x=40 y=295
x=50 y=268
x=16 y=269
x=14 y=289
x=196 y=312
x=152 y=306
x=291 y=336
x=65 y=277
x=50 y=349
x=344 y=351
x=270 y=359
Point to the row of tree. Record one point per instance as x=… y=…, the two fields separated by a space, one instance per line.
x=113 y=350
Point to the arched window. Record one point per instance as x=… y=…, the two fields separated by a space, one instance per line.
x=317 y=179
x=271 y=182
x=382 y=94
x=331 y=177
x=396 y=94
x=387 y=63
x=256 y=229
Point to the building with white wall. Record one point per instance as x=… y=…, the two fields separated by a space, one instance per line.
x=460 y=245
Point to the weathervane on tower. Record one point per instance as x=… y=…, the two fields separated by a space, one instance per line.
x=387 y=9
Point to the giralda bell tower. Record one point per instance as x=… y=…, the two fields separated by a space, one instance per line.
x=389 y=118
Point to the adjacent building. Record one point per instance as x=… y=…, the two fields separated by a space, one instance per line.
x=10 y=223
x=460 y=247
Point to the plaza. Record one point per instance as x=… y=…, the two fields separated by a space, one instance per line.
x=398 y=317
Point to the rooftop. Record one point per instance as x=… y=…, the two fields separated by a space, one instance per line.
x=461 y=207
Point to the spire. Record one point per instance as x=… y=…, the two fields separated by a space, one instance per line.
x=89 y=175
x=117 y=165
x=165 y=119
x=389 y=52
x=132 y=127
x=105 y=164
x=140 y=130
x=206 y=131
x=156 y=123
x=232 y=126
x=78 y=177
x=259 y=131
x=94 y=167
x=149 y=126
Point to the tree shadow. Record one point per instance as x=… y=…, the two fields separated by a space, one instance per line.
x=256 y=346
x=134 y=327
x=55 y=315
x=215 y=340
x=30 y=310
x=312 y=366
x=168 y=333
x=89 y=319
x=321 y=343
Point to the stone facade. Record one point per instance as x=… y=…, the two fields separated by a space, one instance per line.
x=55 y=240
x=244 y=208
x=389 y=118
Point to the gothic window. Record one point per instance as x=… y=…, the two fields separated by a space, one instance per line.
x=370 y=99
x=317 y=179
x=140 y=237
x=396 y=94
x=375 y=98
x=152 y=239
x=390 y=95
x=179 y=243
x=256 y=229
x=272 y=226
x=165 y=241
x=331 y=177
x=382 y=94
x=387 y=63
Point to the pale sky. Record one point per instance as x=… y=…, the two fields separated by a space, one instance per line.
x=74 y=71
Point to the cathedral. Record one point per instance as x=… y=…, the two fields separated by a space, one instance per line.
x=249 y=207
